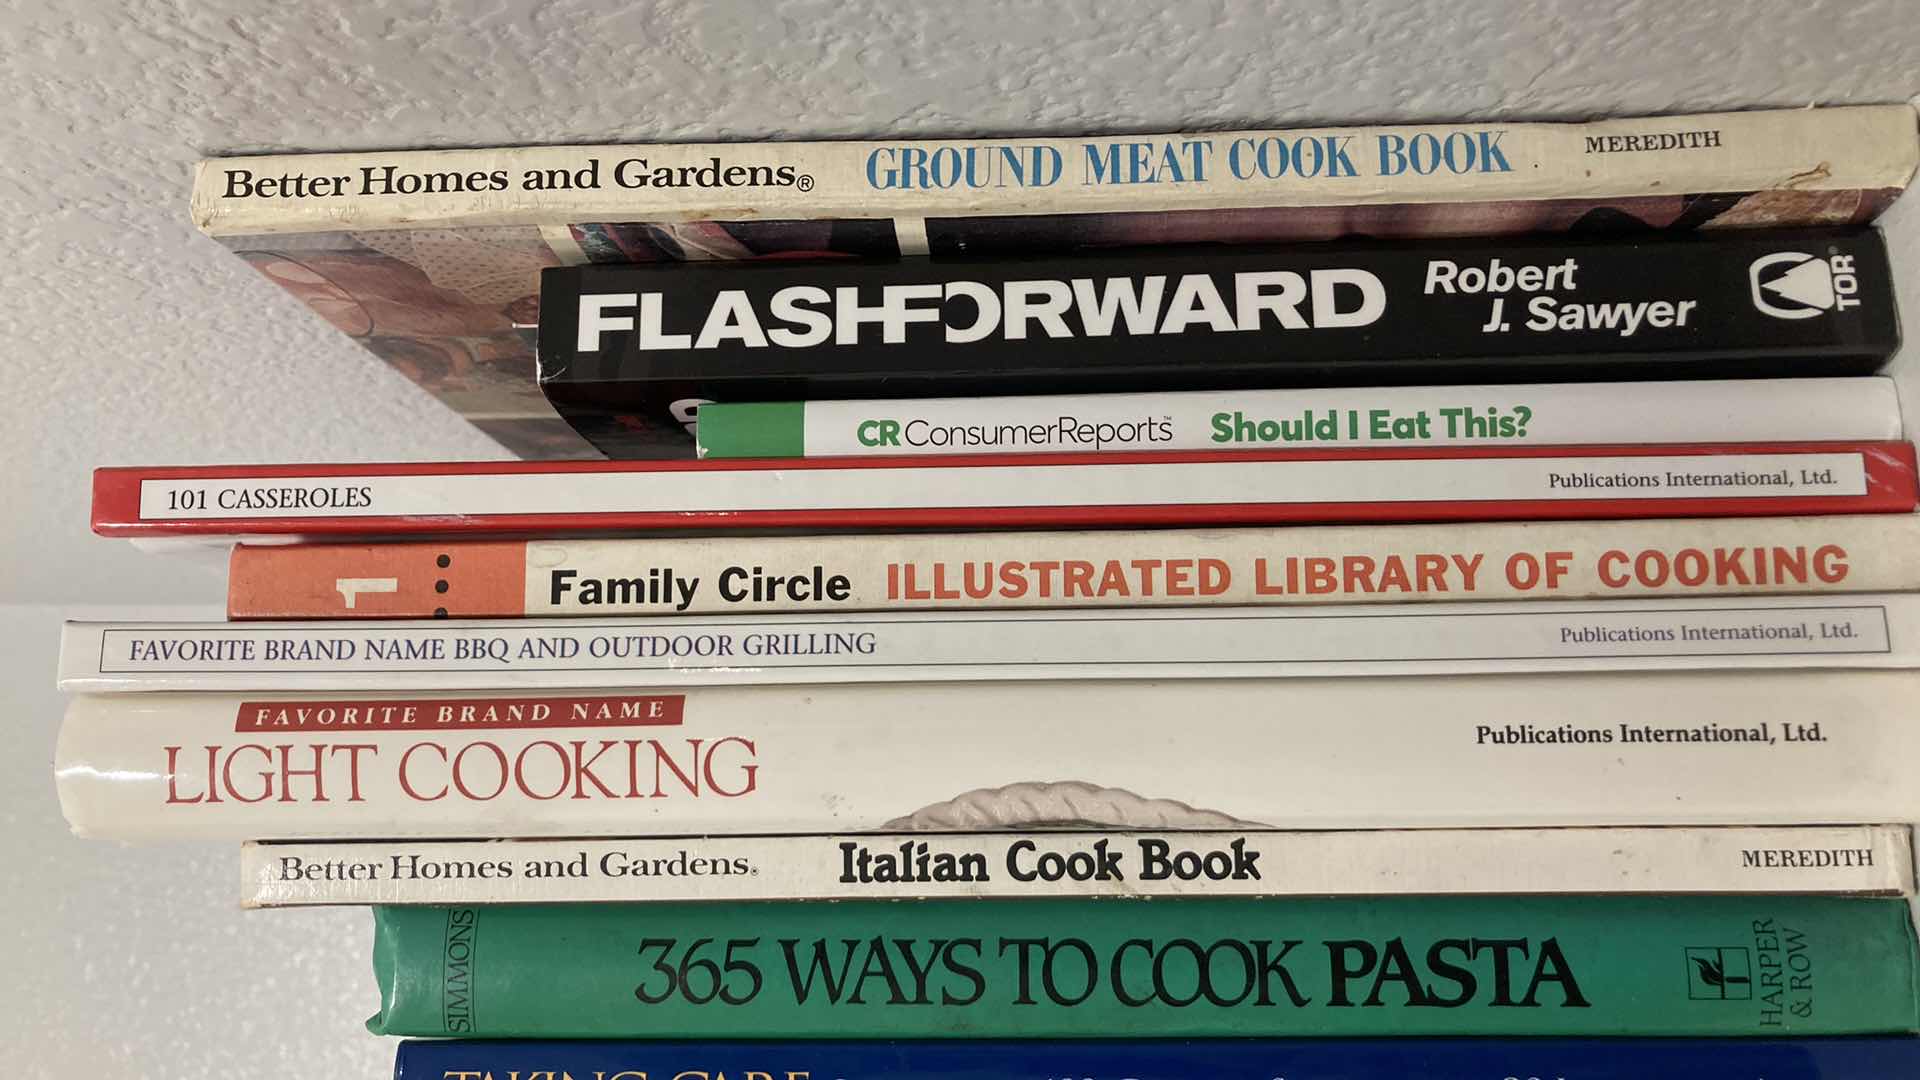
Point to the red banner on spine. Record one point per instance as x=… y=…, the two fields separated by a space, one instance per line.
x=465 y=713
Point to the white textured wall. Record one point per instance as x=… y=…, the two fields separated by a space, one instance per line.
x=129 y=339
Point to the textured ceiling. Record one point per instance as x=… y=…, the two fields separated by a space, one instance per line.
x=131 y=339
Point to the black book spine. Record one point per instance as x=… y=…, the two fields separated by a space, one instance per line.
x=628 y=352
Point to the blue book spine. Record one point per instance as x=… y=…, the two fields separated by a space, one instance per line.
x=1172 y=1059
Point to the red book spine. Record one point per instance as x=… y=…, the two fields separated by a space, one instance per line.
x=1167 y=488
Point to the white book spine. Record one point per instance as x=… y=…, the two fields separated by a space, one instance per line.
x=1839 y=149
x=1020 y=863
x=1751 y=747
x=1708 y=411
x=1869 y=630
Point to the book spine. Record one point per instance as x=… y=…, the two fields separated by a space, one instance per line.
x=1001 y=490
x=1843 y=1058
x=647 y=340
x=907 y=571
x=1724 y=410
x=1842 y=149
x=1868 y=630
x=1012 y=864
x=1660 y=748
x=1189 y=968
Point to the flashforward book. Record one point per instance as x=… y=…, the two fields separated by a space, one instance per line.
x=1854 y=1058
x=1386 y=966
x=591 y=578
x=628 y=353
x=1866 y=630
x=1647 y=748
x=432 y=258
x=1013 y=863
x=1008 y=490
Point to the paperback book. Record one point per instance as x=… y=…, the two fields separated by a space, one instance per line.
x=1871 y=630
x=1388 y=966
x=1380 y=417
x=629 y=353
x=1843 y=1058
x=1565 y=560
x=1002 y=490
x=1067 y=864
x=1650 y=748
x=431 y=259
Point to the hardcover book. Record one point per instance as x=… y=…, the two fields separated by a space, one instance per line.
x=1379 y=417
x=431 y=259
x=1002 y=490
x=1391 y=966
x=1845 y=1058
x=1651 y=748
x=1023 y=863
x=1111 y=568
x=1872 y=630
x=629 y=353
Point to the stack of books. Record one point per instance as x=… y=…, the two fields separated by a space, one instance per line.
x=1103 y=607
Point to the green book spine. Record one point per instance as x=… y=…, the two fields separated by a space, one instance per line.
x=1060 y=968
x=752 y=430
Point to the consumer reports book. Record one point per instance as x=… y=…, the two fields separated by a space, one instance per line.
x=1380 y=417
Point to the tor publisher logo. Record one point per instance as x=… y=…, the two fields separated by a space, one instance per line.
x=1796 y=285
x=1719 y=974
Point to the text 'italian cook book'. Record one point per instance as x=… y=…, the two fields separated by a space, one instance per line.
x=1079 y=863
